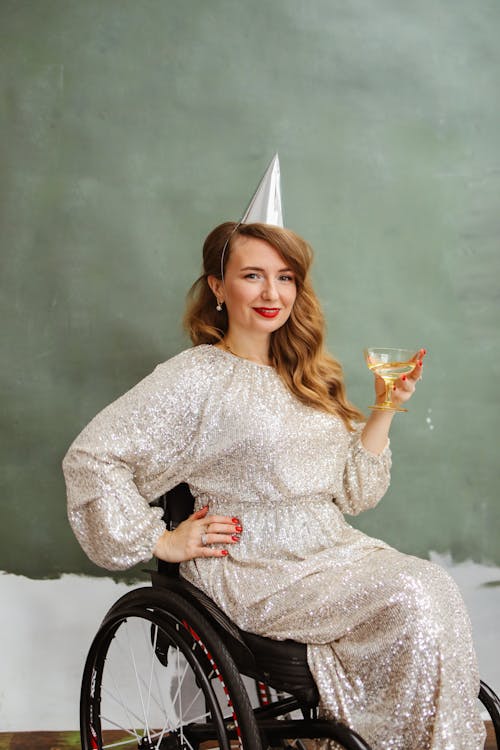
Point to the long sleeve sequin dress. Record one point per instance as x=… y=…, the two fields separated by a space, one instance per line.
x=388 y=637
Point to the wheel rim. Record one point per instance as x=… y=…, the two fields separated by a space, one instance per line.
x=153 y=685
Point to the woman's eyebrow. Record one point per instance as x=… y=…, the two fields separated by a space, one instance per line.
x=256 y=268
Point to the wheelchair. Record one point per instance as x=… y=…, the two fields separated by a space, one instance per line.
x=167 y=670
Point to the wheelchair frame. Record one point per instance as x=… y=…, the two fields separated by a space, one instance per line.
x=181 y=619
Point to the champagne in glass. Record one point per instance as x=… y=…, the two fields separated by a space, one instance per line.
x=390 y=364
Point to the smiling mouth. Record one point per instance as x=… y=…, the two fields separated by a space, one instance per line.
x=267 y=312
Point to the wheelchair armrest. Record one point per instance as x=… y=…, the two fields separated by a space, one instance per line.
x=177 y=504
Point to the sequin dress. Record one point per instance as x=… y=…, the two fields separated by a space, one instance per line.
x=388 y=637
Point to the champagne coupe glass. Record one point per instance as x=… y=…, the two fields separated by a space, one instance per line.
x=390 y=364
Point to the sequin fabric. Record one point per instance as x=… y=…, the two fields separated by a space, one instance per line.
x=389 y=641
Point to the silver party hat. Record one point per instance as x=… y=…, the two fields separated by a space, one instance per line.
x=265 y=206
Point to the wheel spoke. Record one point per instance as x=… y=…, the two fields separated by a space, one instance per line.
x=180 y=680
x=131 y=732
x=152 y=669
x=138 y=681
x=121 y=743
x=128 y=711
x=179 y=694
x=192 y=703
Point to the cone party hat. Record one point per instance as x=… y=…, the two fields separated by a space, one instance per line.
x=265 y=205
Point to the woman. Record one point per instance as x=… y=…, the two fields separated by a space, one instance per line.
x=255 y=419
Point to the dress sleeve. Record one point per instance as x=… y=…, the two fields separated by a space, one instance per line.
x=136 y=449
x=366 y=476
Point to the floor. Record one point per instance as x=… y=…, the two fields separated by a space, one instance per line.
x=71 y=740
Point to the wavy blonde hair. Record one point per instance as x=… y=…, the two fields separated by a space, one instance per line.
x=296 y=349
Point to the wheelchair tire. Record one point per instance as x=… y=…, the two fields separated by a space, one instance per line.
x=158 y=677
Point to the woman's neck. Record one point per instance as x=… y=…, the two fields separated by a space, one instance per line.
x=254 y=350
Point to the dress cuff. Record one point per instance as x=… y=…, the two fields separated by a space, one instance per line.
x=370 y=455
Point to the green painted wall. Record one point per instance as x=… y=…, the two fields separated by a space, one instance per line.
x=131 y=127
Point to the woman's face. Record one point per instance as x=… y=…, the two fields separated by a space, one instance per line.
x=258 y=289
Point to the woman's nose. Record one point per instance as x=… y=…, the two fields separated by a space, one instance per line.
x=269 y=290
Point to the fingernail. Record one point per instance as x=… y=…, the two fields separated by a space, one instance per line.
x=235 y=538
x=238 y=528
x=420 y=363
x=235 y=520
x=424 y=351
x=224 y=552
x=393 y=387
x=404 y=377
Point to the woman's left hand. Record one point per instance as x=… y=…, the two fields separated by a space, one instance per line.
x=376 y=430
x=404 y=387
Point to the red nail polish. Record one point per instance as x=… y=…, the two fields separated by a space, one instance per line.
x=420 y=363
x=235 y=520
x=238 y=528
x=424 y=351
x=224 y=552
x=235 y=538
x=404 y=377
x=393 y=387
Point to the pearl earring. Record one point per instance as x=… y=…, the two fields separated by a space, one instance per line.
x=219 y=306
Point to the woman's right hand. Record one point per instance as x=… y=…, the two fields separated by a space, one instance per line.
x=185 y=542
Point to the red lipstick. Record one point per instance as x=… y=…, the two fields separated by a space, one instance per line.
x=267 y=312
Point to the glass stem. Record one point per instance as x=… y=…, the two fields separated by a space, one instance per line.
x=388 y=391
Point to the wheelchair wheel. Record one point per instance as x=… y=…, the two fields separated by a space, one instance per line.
x=158 y=677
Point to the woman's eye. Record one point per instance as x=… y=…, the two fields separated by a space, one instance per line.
x=283 y=277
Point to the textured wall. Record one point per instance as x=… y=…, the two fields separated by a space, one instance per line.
x=130 y=128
